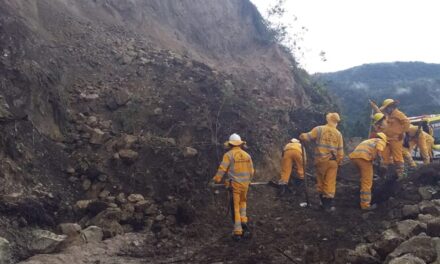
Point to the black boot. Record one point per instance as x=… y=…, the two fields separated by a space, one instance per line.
x=236 y=237
x=298 y=182
x=282 y=190
x=246 y=231
x=328 y=204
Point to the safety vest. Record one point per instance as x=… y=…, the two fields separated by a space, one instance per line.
x=367 y=149
x=329 y=143
x=293 y=146
x=238 y=165
x=397 y=124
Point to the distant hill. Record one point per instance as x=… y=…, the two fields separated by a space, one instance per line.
x=415 y=84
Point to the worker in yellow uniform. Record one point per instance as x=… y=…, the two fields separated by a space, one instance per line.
x=238 y=166
x=363 y=157
x=329 y=154
x=430 y=144
x=416 y=137
x=379 y=124
x=292 y=155
x=397 y=124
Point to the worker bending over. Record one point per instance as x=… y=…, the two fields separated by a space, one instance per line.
x=292 y=155
x=238 y=166
x=363 y=157
x=329 y=154
x=416 y=137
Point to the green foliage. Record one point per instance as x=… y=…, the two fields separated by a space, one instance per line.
x=416 y=85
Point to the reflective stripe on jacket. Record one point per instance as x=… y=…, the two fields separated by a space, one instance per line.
x=238 y=165
x=368 y=149
x=329 y=143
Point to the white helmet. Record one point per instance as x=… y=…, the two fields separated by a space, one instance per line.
x=235 y=140
x=294 y=140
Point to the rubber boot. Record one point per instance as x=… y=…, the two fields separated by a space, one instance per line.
x=331 y=206
x=246 y=231
x=236 y=237
x=370 y=208
x=298 y=182
x=283 y=190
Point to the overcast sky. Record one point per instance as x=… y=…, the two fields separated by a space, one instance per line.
x=354 y=32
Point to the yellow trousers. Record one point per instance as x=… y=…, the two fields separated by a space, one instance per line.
x=393 y=152
x=239 y=198
x=408 y=158
x=366 y=170
x=326 y=172
x=290 y=158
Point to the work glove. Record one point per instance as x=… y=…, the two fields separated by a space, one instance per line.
x=211 y=183
x=303 y=137
x=227 y=184
x=217 y=178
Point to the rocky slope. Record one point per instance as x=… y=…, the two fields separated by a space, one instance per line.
x=114 y=113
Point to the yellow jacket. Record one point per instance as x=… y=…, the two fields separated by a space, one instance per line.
x=397 y=124
x=238 y=164
x=294 y=146
x=368 y=149
x=329 y=143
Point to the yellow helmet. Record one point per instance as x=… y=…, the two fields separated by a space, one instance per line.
x=386 y=103
x=382 y=136
x=378 y=117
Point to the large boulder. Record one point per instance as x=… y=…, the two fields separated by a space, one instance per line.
x=407 y=259
x=433 y=227
x=92 y=234
x=409 y=228
x=388 y=241
x=410 y=211
x=43 y=241
x=421 y=246
x=128 y=156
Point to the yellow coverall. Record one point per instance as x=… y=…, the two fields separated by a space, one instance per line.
x=429 y=144
x=363 y=157
x=240 y=169
x=329 y=153
x=417 y=137
x=397 y=125
x=292 y=155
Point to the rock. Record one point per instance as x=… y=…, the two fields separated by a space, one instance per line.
x=425 y=218
x=134 y=198
x=189 y=152
x=151 y=210
x=108 y=220
x=421 y=246
x=141 y=206
x=158 y=111
x=433 y=227
x=128 y=156
x=388 y=241
x=102 y=178
x=409 y=228
x=425 y=192
x=407 y=259
x=92 y=121
x=44 y=242
x=86 y=184
x=104 y=194
x=70 y=170
x=89 y=97
x=69 y=229
x=82 y=204
x=120 y=198
x=170 y=208
x=128 y=210
x=98 y=137
x=122 y=97
x=410 y=211
x=5 y=251
x=92 y=234
x=428 y=207
x=126 y=142
x=160 y=218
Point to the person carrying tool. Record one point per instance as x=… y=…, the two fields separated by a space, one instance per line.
x=329 y=153
x=397 y=124
x=238 y=166
x=416 y=137
x=292 y=155
x=363 y=157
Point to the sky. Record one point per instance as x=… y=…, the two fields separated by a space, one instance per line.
x=356 y=32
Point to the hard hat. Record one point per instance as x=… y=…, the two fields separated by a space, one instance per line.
x=382 y=136
x=386 y=103
x=294 y=140
x=333 y=117
x=235 y=140
x=378 y=117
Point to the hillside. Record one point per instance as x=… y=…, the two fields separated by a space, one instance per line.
x=415 y=84
x=105 y=99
